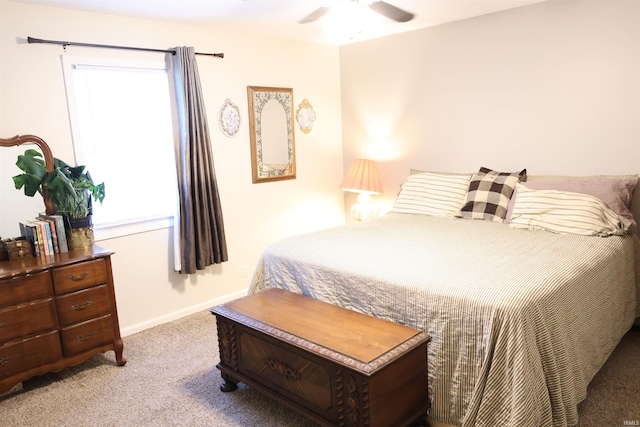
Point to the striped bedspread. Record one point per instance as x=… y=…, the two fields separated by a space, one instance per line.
x=520 y=321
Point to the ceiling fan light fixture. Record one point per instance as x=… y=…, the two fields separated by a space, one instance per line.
x=350 y=18
x=378 y=6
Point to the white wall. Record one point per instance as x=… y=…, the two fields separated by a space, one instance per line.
x=32 y=101
x=552 y=87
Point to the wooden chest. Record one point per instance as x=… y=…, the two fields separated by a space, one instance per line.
x=336 y=366
x=15 y=248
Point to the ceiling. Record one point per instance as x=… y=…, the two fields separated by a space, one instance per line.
x=279 y=18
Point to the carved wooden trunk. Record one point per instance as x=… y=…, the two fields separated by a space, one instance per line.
x=336 y=366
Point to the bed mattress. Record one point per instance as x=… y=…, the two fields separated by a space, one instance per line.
x=520 y=320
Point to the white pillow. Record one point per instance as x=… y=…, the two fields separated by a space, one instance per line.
x=432 y=194
x=566 y=213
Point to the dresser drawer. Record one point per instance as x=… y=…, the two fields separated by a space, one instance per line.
x=296 y=376
x=26 y=319
x=79 y=276
x=18 y=356
x=87 y=335
x=25 y=288
x=83 y=305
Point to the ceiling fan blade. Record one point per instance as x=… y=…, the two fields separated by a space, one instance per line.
x=391 y=11
x=318 y=13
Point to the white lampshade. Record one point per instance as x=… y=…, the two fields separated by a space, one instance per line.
x=362 y=177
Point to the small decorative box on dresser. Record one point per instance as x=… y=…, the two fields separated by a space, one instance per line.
x=336 y=366
x=56 y=311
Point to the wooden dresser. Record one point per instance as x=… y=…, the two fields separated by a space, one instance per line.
x=336 y=366
x=56 y=311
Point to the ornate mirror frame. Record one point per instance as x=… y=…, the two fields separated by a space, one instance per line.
x=266 y=136
x=48 y=159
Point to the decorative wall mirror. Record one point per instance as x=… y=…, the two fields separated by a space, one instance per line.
x=271 y=133
x=46 y=154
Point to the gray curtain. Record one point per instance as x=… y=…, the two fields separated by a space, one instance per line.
x=201 y=229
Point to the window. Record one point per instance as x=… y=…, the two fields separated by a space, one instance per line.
x=121 y=124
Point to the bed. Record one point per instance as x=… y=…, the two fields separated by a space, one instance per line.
x=521 y=317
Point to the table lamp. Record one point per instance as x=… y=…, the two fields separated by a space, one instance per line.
x=362 y=177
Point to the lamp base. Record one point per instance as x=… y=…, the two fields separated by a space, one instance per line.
x=364 y=209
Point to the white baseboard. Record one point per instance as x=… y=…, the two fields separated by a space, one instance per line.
x=130 y=330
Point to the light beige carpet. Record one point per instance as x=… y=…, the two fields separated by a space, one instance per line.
x=170 y=379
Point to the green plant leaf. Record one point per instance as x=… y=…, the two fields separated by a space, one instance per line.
x=98 y=192
x=70 y=187
x=31 y=183
x=33 y=166
x=59 y=183
x=32 y=163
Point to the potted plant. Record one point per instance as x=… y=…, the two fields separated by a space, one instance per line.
x=70 y=188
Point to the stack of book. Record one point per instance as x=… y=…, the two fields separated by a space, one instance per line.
x=46 y=234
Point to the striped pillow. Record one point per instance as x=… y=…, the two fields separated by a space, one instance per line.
x=432 y=194
x=616 y=191
x=565 y=212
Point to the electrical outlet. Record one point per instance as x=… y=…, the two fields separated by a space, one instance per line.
x=243 y=270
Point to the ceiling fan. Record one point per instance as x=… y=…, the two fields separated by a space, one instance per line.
x=381 y=7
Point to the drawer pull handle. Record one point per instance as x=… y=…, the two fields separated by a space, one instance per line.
x=283 y=369
x=83 y=276
x=1 y=325
x=82 y=338
x=76 y=307
x=4 y=361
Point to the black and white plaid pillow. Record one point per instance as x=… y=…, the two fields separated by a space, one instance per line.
x=489 y=194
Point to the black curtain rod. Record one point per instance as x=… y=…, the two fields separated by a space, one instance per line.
x=65 y=44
